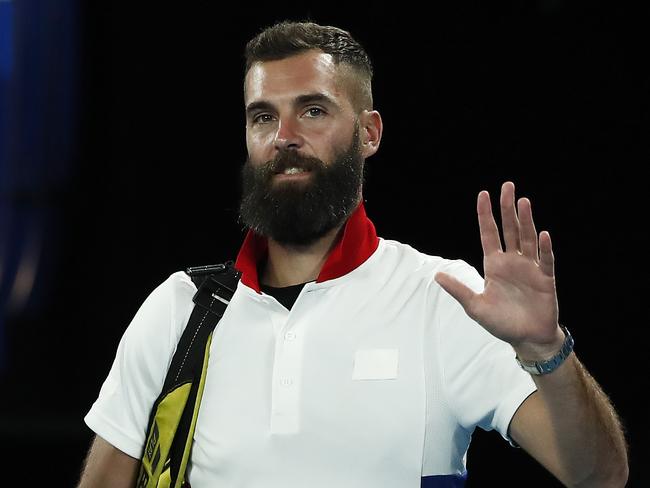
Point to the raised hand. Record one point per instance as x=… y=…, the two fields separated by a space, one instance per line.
x=519 y=301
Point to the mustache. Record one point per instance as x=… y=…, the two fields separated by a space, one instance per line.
x=292 y=159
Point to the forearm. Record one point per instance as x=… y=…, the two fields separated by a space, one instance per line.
x=583 y=442
x=107 y=466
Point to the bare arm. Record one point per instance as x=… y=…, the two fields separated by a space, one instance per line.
x=108 y=467
x=568 y=425
x=571 y=428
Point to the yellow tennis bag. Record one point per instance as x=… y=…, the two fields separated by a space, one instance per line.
x=174 y=414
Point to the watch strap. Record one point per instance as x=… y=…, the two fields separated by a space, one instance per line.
x=549 y=365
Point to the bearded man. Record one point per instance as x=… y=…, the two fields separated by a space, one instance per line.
x=343 y=359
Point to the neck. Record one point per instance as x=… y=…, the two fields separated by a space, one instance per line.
x=292 y=265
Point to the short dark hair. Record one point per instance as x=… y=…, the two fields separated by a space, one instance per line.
x=288 y=38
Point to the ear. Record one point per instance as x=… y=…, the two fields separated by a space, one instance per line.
x=370 y=130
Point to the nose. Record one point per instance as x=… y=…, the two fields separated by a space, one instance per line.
x=287 y=136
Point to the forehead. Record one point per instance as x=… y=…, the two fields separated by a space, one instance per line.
x=285 y=79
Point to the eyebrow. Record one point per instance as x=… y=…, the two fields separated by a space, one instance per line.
x=299 y=100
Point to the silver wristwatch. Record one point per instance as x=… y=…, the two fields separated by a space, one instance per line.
x=549 y=365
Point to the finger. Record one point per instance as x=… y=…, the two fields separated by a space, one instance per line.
x=509 y=220
x=456 y=289
x=490 y=240
x=546 y=258
x=527 y=232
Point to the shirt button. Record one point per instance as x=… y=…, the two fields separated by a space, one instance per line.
x=287 y=381
x=289 y=336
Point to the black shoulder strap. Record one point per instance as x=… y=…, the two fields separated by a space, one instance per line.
x=216 y=284
x=226 y=271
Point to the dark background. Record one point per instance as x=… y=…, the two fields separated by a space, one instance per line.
x=140 y=138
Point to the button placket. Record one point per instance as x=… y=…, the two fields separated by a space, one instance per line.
x=286 y=379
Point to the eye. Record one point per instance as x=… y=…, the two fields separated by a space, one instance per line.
x=262 y=119
x=314 y=112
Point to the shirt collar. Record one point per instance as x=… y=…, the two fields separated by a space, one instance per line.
x=356 y=244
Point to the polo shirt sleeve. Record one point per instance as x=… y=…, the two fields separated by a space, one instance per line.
x=120 y=415
x=483 y=385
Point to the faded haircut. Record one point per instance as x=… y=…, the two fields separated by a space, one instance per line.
x=287 y=38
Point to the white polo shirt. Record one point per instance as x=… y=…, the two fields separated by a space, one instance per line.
x=376 y=378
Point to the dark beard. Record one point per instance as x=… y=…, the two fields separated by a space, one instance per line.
x=300 y=213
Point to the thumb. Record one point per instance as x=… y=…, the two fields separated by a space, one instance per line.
x=455 y=288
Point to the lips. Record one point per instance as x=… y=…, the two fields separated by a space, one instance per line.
x=290 y=169
x=292 y=174
x=293 y=170
x=291 y=163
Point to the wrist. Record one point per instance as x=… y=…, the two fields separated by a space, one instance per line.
x=550 y=362
x=541 y=351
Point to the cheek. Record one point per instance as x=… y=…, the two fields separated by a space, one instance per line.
x=339 y=143
x=258 y=142
x=253 y=147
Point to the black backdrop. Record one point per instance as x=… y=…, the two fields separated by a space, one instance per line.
x=549 y=95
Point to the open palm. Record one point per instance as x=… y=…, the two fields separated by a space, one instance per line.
x=519 y=301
